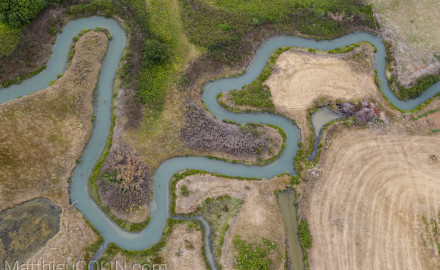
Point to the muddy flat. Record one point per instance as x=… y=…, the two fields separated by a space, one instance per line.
x=367 y=209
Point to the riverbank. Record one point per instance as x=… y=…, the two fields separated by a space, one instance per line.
x=410 y=29
x=259 y=209
x=43 y=137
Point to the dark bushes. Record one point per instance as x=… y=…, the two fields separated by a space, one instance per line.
x=155 y=52
x=17 y=13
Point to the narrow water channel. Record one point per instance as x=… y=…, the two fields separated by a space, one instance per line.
x=286 y=201
x=110 y=231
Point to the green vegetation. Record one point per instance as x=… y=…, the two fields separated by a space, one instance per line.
x=420 y=86
x=306 y=240
x=218 y=25
x=184 y=190
x=17 y=13
x=9 y=38
x=253 y=256
x=155 y=52
x=219 y=213
x=432 y=227
x=256 y=94
x=304 y=234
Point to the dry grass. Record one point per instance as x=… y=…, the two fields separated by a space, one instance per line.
x=366 y=209
x=42 y=137
x=259 y=216
x=300 y=78
x=184 y=249
x=412 y=28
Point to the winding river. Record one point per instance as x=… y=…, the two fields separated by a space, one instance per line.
x=160 y=203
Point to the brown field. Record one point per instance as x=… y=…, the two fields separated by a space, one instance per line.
x=412 y=28
x=258 y=217
x=301 y=78
x=42 y=137
x=367 y=209
x=184 y=249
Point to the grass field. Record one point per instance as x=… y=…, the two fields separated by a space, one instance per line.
x=412 y=28
x=9 y=38
x=42 y=137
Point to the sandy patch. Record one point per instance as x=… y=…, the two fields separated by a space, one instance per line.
x=366 y=209
x=184 y=249
x=258 y=217
x=412 y=28
x=301 y=78
x=42 y=137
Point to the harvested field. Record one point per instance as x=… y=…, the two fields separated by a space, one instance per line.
x=367 y=209
x=412 y=28
x=42 y=137
x=301 y=78
x=259 y=216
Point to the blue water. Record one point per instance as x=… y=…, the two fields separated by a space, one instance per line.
x=160 y=203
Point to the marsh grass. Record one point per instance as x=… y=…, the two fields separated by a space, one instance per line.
x=41 y=134
x=9 y=38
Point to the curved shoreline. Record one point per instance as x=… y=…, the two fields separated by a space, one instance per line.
x=110 y=231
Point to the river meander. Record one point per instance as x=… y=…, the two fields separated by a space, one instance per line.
x=159 y=214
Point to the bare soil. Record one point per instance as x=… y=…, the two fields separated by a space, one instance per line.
x=301 y=79
x=258 y=217
x=412 y=29
x=42 y=137
x=184 y=249
x=366 y=208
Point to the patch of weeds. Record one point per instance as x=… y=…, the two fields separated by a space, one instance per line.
x=253 y=256
x=184 y=191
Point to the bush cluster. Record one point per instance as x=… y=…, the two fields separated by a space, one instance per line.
x=17 y=13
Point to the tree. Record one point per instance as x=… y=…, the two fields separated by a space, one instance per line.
x=155 y=52
x=17 y=13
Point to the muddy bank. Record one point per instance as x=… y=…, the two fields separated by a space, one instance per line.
x=202 y=131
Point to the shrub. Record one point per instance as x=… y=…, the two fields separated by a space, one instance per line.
x=184 y=190
x=304 y=234
x=17 y=13
x=155 y=52
x=252 y=256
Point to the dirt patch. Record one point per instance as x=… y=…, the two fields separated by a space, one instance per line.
x=259 y=216
x=42 y=137
x=412 y=29
x=366 y=208
x=300 y=78
x=184 y=249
